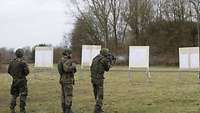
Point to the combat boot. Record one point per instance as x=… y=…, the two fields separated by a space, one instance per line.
x=71 y=111
x=23 y=110
x=12 y=110
x=98 y=109
x=101 y=111
x=67 y=109
x=63 y=108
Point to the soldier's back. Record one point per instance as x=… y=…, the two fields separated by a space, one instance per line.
x=97 y=67
x=18 y=68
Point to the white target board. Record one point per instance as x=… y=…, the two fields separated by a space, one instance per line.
x=139 y=57
x=189 y=58
x=44 y=57
x=88 y=53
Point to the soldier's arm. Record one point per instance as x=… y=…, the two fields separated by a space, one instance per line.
x=26 y=69
x=60 y=68
x=106 y=64
x=9 y=68
x=74 y=67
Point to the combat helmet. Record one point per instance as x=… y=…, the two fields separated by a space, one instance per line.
x=104 y=51
x=67 y=52
x=19 y=53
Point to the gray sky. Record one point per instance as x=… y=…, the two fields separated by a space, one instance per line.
x=30 y=22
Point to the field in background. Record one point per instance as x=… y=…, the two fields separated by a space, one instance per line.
x=166 y=92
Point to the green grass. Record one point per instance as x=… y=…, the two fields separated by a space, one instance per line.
x=165 y=93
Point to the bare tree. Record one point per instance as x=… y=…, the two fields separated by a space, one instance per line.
x=140 y=14
x=107 y=19
x=117 y=21
x=99 y=10
x=196 y=5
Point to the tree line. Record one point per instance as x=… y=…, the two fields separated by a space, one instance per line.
x=164 y=25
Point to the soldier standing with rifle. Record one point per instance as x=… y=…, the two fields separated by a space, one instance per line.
x=18 y=70
x=66 y=69
x=100 y=64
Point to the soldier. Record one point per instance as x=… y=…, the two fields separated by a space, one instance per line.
x=100 y=64
x=18 y=70
x=66 y=69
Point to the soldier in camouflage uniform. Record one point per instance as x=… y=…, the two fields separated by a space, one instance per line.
x=100 y=64
x=18 y=70
x=66 y=69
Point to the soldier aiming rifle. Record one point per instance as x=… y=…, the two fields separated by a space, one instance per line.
x=100 y=64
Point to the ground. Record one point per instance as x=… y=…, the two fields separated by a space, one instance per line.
x=166 y=92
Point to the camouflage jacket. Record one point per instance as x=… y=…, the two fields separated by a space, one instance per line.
x=18 y=68
x=66 y=69
x=100 y=64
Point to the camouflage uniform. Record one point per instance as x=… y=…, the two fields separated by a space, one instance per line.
x=100 y=64
x=18 y=69
x=66 y=69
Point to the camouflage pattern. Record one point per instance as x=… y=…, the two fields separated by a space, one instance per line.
x=66 y=69
x=100 y=64
x=67 y=52
x=104 y=51
x=18 y=69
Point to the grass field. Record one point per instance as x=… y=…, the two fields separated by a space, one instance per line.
x=166 y=92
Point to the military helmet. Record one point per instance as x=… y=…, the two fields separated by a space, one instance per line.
x=19 y=53
x=104 y=51
x=67 y=51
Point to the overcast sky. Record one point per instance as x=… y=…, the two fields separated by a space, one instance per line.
x=30 y=22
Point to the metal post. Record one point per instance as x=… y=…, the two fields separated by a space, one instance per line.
x=198 y=35
x=198 y=31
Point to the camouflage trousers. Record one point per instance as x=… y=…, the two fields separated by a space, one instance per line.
x=98 y=92
x=19 y=88
x=66 y=97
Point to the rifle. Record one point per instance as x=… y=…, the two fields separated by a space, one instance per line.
x=111 y=58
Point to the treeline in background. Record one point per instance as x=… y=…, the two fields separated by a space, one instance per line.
x=164 y=25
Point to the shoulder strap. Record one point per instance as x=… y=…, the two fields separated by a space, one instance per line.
x=98 y=58
x=67 y=63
